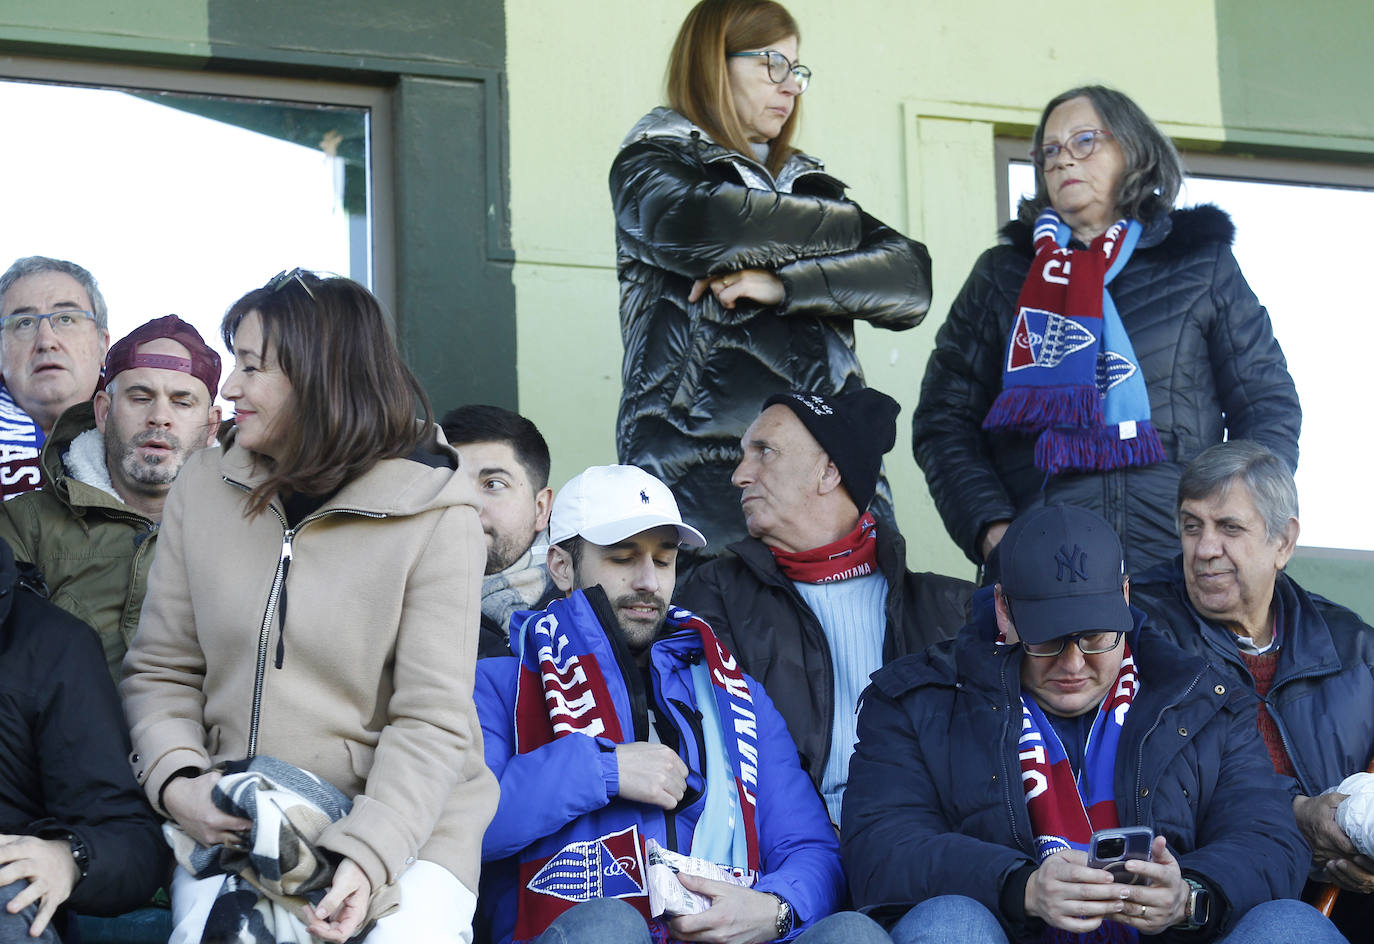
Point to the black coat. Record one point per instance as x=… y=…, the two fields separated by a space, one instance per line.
x=935 y=803
x=1322 y=697
x=758 y=613
x=1211 y=363
x=694 y=374
x=64 y=750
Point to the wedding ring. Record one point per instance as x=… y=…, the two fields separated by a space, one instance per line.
x=1143 y=910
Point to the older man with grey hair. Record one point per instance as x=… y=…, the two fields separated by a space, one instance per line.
x=53 y=337
x=1310 y=661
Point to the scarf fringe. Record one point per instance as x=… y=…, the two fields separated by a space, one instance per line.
x=1097 y=450
x=1029 y=409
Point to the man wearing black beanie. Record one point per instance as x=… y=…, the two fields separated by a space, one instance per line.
x=819 y=597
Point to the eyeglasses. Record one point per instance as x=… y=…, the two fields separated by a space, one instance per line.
x=282 y=279
x=1090 y=644
x=25 y=327
x=1079 y=146
x=779 y=68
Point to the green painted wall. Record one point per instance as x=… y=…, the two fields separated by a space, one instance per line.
x=1299 y=70
x=905 y=104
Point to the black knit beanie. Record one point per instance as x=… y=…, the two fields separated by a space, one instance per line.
x=855 y=429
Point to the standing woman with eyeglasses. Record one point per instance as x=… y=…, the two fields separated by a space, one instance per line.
x=1102 y=345
x=742 y=264
x=315 y=598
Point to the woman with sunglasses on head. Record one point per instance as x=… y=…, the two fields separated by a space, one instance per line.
x=315 y=599
x=1105 y=343
x=742 y=264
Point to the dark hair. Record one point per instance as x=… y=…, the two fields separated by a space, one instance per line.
x=1153 y=172
x=481 y=422
x=1266 y=475
x=699 y=82
x=33 y=265
x=574 y=546
x=353 y=398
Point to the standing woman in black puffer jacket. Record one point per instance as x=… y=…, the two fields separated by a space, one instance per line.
x=742 y=264
x=1105 y=343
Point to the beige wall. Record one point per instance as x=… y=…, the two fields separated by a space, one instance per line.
x=906 y=99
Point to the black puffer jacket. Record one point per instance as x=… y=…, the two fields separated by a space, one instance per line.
x=64 y=750
x=761 y=617
x=694 y=374
x=1211 y=364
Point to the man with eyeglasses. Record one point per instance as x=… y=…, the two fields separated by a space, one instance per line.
x=53 y=337
x=986 y=764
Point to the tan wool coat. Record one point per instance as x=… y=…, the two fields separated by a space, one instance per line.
x=369 y=682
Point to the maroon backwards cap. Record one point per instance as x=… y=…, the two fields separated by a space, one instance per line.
x=203 y=364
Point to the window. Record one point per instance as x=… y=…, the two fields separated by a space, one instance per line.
x=181 y=200
x=1301 y=243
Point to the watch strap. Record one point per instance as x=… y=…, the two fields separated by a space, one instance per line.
x=782 y=924
x=1198 y=908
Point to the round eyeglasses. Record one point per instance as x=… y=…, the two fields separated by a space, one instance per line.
x=779 y=68
x=25 y=327
x=1090 y=644
x=1080 y=145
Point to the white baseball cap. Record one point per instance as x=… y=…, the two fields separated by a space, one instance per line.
x=608 y=503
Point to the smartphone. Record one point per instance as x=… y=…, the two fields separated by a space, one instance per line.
x=1111 y=848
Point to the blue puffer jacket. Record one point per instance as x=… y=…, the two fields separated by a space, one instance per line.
x=546 y=789
x=935 y=803
x=1323 y=693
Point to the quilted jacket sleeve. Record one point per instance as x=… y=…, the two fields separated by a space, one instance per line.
x=1258 y=394
x=963 y=377
x=833 y=258
x=885 y=280
x=672 y=215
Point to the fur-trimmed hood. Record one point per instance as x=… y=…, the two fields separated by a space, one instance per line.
x=1175 y=235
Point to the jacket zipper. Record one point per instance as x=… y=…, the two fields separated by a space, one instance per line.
x=1140 y=753
x=265 y=632
x=278 y=590
x=1006 y=772
x=692 y=718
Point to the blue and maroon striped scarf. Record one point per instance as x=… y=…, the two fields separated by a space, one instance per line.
x=1064 y=810
x=1071 y=377
x=570 y=682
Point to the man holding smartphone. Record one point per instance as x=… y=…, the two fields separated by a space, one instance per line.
x=986 y=764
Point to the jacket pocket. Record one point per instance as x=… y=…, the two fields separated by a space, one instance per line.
x=360 y=758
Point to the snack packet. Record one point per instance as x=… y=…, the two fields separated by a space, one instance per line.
x=667 y=896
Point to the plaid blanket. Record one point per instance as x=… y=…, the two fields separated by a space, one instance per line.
x=279 y=868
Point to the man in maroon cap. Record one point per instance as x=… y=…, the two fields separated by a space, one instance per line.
x=107 y=467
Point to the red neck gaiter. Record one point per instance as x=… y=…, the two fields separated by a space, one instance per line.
x=854 y=555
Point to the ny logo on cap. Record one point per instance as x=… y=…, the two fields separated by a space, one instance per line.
x=1074 y=563
x=644 y=496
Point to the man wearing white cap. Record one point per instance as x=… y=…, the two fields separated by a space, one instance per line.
x=622 y=722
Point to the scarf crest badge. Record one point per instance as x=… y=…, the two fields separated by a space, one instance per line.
x=1070 y=376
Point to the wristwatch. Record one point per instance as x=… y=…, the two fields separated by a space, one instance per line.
x=1199 y=906
x=783 y=923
